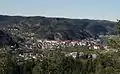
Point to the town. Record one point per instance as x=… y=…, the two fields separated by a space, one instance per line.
x=33 y=47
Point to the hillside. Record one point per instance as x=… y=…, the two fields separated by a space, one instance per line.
x=60 y=28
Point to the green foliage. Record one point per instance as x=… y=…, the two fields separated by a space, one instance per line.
x=114 y=43
x=118 y=26
x=56 y=63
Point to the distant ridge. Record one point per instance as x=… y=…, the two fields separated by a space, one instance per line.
x=61 y=28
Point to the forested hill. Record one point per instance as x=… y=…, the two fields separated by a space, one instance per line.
x=60 y=28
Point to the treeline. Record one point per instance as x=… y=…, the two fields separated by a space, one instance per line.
x=55 y=62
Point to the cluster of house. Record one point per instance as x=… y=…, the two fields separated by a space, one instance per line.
x=32 y=47
x=81 y=55
x=32 y=44
x=52 y=44
x=87 y=43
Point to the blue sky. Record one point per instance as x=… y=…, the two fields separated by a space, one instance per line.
x=83 y=9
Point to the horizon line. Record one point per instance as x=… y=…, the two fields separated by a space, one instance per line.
x=57 y=17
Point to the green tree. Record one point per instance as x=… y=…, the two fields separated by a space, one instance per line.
x=118 y=26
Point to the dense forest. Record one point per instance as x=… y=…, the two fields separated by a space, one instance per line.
x=56 y=63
